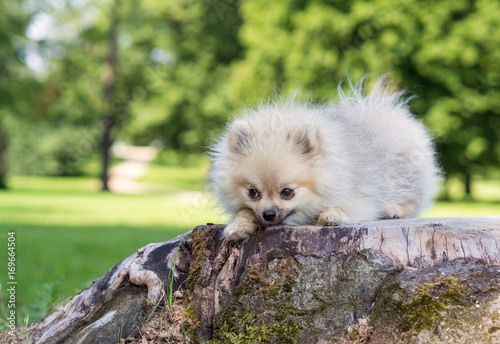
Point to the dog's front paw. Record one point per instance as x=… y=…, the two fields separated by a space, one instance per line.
x=241 y=226
x=332 y=216
x=239 y=230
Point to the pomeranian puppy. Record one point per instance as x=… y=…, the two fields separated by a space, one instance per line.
x=294 y=163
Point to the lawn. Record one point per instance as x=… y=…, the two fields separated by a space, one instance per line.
x=485 y=195
x=68 y=233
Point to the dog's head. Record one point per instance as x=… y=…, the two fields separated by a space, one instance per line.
x=274 y=172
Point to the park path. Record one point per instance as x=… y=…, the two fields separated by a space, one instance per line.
x=135 y=164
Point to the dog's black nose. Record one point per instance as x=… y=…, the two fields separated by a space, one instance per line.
x=269 y=215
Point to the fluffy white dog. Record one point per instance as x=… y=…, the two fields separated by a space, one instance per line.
x=290 y=162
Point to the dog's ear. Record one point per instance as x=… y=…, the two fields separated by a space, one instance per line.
x=239 y=137
x=306 y=140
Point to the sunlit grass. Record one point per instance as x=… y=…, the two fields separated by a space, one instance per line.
x=452 y=209
x=73 y=202
x=179 y=178
x=485 y=200
x=68 y=233
x=483 y=190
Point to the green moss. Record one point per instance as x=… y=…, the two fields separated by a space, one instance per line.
x=429 y=303
x=253 y=282
x=241 y=328
x=454 y=290
x=286 y=330
x=199 y=252
x=288 y=284
x=420 y=313
x=493 y=329
x=279 y=322
x=280 y=316
x=192 y=322
x=245 y=326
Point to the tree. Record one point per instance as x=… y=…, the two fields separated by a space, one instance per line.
x=47 y=118
x=194 y=63
x=3 y=144
x=15 y=78
x=185 y=90
x=457 y=57
x=72 y=97
x=108 y=119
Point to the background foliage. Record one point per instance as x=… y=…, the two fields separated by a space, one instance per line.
x=185 y=66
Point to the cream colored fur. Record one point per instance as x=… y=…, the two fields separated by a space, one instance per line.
x=360 y=159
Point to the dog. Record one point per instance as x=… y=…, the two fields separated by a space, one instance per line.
x=291 y=162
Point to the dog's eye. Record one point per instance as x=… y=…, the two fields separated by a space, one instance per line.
x=287 y=193
x=254 y=193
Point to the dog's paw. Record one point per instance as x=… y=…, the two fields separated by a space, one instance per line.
x=239 y=230
x=400 y=211
x=332 y=216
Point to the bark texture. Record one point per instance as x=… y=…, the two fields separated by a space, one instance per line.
x=391 y=281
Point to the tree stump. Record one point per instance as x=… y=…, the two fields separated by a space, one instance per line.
x=391 y=281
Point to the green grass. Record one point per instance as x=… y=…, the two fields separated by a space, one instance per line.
x=450 y=209
x=485 y=200
x=68 y=233
x=178 y=178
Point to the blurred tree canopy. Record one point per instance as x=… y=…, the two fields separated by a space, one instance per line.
x=185 y=66
x=14 y=75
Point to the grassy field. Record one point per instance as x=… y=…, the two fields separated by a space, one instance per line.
x=68 y=233
x=485 y=200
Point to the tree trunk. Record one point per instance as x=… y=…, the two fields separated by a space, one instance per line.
x=391 y=281
x=107 y=121
x=468 y=185
x=3 y=146
x=106 y=126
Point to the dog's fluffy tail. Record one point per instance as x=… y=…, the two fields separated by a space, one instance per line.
x=383 y=94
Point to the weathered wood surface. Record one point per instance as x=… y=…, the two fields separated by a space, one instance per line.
x=330 y=277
